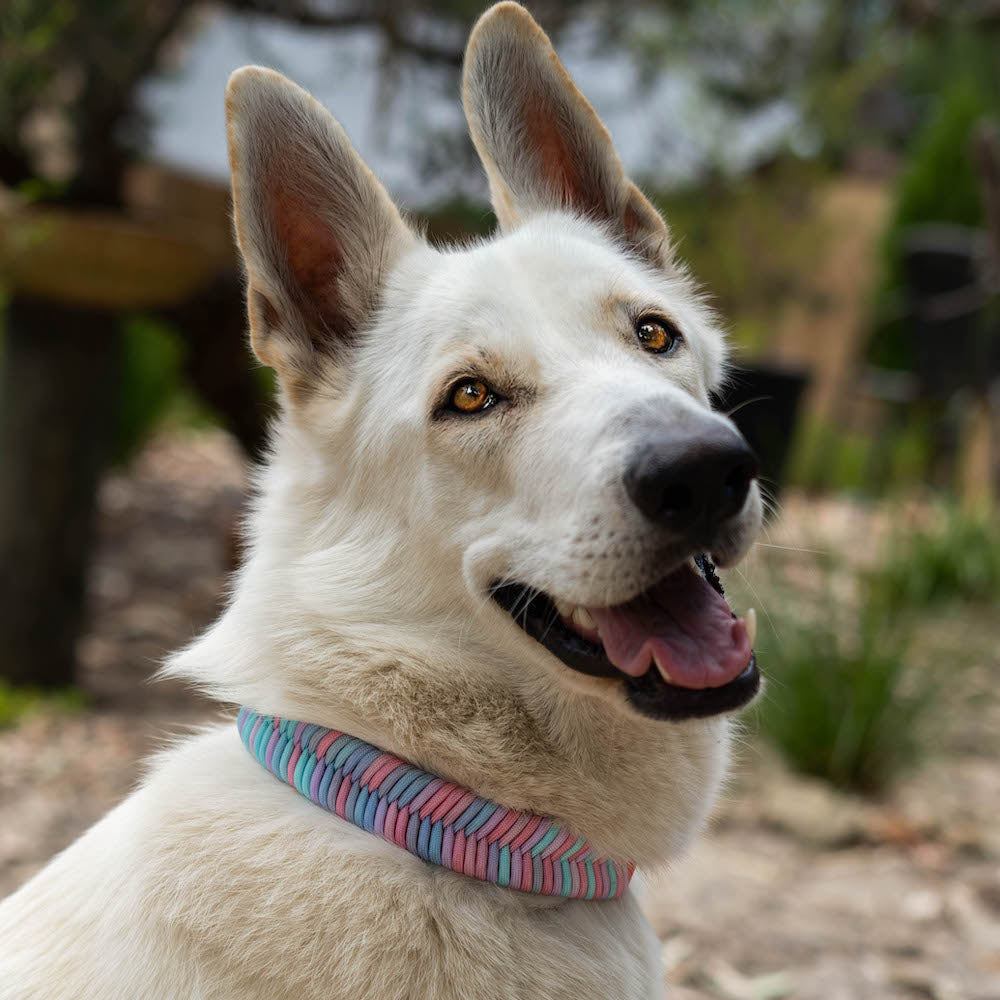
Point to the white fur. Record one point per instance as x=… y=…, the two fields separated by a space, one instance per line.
x=363 y=604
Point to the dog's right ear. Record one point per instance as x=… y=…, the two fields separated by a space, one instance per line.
x=317 y=231
x=541 y=142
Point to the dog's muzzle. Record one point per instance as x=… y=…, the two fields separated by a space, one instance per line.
x=678 y=649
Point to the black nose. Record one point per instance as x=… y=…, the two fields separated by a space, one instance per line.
x=701 y=480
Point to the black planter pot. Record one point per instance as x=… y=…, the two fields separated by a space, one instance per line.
x=955 y=341
x=764 y=401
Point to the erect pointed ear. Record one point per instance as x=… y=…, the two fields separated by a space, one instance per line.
x=317 y=231
x=541 y=142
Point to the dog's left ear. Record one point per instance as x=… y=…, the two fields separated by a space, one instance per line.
x=541 y=142
x=317 y=231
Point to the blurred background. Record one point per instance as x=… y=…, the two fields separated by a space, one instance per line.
x=831 y=171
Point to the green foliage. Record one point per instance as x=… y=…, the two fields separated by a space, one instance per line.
x=17 y=702
x=151 y=371
x=154 y=388
x=908 y=454
x=835 y=91
x=830 y=457
x=939 y=183
x=30 y=33
x=957 y=561
x=848 y=701
x=842 y=704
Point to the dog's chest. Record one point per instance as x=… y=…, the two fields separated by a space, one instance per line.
x=333 y=911
x=232 y=884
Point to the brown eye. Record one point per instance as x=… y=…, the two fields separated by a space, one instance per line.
x=471 y=395
x=657 y=335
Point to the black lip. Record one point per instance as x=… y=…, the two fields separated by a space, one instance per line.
x=649 y=694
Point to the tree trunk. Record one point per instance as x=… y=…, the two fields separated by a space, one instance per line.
x=58 y=391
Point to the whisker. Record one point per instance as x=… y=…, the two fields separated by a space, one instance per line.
x=747 y=402
x=793 y=548
x=528 y=594
x=499 y=585
x=553 y=618
x=758 y=599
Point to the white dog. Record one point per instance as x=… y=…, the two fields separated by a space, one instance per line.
x=472 y=548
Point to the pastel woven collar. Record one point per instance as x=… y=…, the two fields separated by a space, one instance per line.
x=438 y=821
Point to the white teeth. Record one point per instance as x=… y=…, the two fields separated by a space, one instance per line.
x=566 y=610
x=583 y=618
x=663 y=670
x=750 y=619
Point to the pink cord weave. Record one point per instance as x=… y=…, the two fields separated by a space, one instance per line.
x=438 y=821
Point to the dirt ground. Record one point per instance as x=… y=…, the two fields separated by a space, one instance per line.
x=796 y=891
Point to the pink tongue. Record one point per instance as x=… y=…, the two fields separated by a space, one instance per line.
x=686 y=623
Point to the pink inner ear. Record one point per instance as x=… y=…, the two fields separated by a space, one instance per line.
x=315 y=262
x=562 y=165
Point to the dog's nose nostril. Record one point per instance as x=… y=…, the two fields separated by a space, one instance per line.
x=676 y=498
x=703 y=480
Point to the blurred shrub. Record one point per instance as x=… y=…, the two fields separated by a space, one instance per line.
x=960 y=560
x=846 y=701
x=939 y=182
x=841 y=704
x=151 y=374
x=154 y=388
x=16 y=702
x=830 y=457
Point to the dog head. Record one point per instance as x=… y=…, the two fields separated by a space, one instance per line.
x=495 y=463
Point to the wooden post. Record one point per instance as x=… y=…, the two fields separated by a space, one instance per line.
x=73 y=274
x=975 y=457
x=57 y=396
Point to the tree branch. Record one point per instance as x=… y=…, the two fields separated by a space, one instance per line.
x=101 y=161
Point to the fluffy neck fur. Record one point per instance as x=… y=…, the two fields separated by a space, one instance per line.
x=311 y=632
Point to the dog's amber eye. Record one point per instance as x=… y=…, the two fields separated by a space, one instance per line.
x=471 y=395
x=657 y=335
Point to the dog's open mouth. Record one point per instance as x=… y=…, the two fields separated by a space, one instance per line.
x=678 y=648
